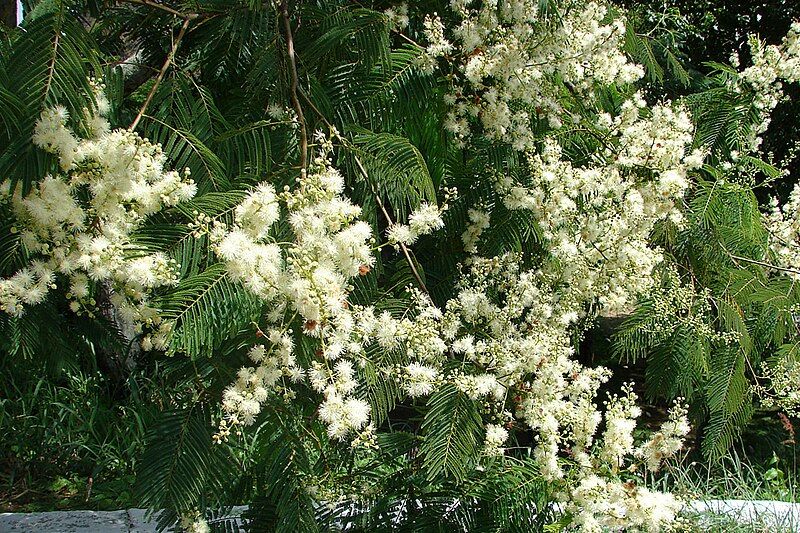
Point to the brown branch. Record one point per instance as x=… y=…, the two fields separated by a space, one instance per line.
x=763 y=264
x=403 y=247
x=164 y=67
x=162 y=7
x=378 y=200
x=293 y=88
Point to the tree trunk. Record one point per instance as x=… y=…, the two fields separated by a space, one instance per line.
x=8 y=13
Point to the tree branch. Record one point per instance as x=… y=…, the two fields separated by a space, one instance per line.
x=378 y=200
x=763 y=264
x=403 y=247
x=164 y=67
x=287 y=27
x=162 y=7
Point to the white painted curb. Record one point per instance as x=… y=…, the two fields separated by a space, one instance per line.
x=783 y=516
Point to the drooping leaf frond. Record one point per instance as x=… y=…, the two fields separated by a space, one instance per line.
x=451 y=428
x=207 y=309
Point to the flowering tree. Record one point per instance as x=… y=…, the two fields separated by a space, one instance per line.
x=368 y=240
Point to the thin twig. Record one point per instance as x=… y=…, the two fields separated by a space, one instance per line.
x=164 y=67
x=763 y=264
x=149 y=3
x=389 y=219
x=378 y=200
x=293 y=88
x=52 y=67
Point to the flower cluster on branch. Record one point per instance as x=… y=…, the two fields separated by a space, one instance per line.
x=76 y=225
x=514 y=60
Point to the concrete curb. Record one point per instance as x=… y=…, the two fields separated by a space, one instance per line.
x=124 y=521
x=782 y=516
x=67 y=521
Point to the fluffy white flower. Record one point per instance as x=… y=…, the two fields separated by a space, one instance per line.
x=78 y=223
x=425 y=219
x=496 y=436
x=478 y=221
x=258 y=212
x=667 y=441
x=507 y=62
x=343 y=416
x=400 y=233
x=420 y=380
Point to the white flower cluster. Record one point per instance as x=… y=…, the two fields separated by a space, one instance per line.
x=424 y=220
x=621 y=415
x=512 y=332
x=668 y=440
x=479 y=220
x=421 y=380
x=194 y=522
x=771 y=64
x=783 y=225
x=307 y=276
x=506 y=326
x=496 y=436
x=438 y=45
x=784 y=385
x=512 y=335
x=397 y=16
x=675 y=304
x=597 y=219
x=310 y=273
x=78 y=223
x=513 y=61
x=597 y=504
x=275 y=363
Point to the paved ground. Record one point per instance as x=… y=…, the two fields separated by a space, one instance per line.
x=129 y=521
x=778 y=516
x=125 y=521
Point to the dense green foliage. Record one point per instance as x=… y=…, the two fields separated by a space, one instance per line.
x=77 y=396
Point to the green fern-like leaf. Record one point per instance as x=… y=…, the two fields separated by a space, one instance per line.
x=207 y=308
x=186 y=150
x=729 y=401
x=283 y=504
x=397 y=169
x=452 y=429
x=677 y=366
x=181 y=466
x=51 y=62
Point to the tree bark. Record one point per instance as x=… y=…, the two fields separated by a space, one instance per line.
x=8 y=13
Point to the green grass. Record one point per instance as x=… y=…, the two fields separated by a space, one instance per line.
x=69 y=443
x=733 y=477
